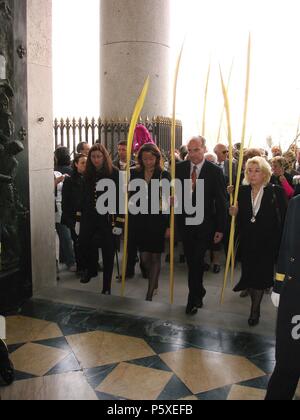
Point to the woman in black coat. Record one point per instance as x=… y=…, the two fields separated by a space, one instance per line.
x=150 y=230
x=72 y=193
x=96 y=230
x=261 y=213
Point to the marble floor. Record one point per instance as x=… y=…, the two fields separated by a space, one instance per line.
x=233 y=313
x=63 y=352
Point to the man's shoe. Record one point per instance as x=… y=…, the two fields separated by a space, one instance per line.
x=253 y=322
x=191 y=310
x=86 y=278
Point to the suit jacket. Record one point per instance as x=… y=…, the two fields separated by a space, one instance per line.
x=116 y=163
x=288 y=285
x=234 y=170
x=215 y=206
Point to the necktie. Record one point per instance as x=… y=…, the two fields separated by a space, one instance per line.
x=194 y=178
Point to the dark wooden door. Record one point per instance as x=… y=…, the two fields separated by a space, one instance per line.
x=15 y=255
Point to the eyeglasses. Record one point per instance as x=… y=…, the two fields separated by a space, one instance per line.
x=225 y=152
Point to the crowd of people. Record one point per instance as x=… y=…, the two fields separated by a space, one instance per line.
x=268 y=183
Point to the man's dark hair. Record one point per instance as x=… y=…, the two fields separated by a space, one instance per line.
x=122 y=143
x=62 y=156
x=80 y=147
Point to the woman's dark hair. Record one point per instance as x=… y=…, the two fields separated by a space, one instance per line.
x=107 y=169
x=62 y=156
x=76 y=161
x=154 y=150
x=183 y=151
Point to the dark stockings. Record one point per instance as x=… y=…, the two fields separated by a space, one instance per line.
x=256 y=298
x=152 y=265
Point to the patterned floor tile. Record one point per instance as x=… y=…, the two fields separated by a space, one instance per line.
x=174 y=390
x=96 y=376
x=36 y=359
x=203 y=371
x=220 y=394
x=69 y=364
x=242 y=393
x=64 y=387
x=135 y=382
x=259 y=383
x=24 y=330
x=153 y=362
x=99 y=348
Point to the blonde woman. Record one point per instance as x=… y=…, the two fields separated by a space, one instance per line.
x=260 y=216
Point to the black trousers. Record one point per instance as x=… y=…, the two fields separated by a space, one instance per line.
x=195 y=245
x=89 y=249
x=283 y=384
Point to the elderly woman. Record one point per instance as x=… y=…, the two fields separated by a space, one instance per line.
x=281 y=177
x=260 y=216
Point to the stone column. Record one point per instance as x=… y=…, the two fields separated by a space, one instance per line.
x=135 y=43
x=40 y=135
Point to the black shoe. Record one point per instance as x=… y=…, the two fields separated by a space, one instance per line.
x=191 y=310
x=130 y=275
x=253 y=322
x=85 y=278
x=106 y=292
x=216 y=269
x=168 y=259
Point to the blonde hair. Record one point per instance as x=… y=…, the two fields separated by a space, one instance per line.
x=263 y=166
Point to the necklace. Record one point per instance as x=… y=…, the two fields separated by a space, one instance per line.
x=256 y=203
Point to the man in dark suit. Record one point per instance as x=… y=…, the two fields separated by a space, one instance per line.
x=198 y=238
x=286 y=295
x=223 y=162
x=121 y=161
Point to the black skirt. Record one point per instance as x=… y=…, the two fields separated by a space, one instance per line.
x=149 y=231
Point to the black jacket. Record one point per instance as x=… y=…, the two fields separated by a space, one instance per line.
x=215 y=206
x=72 y=194
x=288 y=285
x=90 y=218
x=288 y=268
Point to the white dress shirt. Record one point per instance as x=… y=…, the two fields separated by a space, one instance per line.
x=199 y=168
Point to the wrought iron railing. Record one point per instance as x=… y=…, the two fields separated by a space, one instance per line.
x=71 y=132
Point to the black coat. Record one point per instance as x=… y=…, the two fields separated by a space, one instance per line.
x=276 y=181
x=215 y=206
x=288 y=285
x=91 y=220
x=260 y=241
x=72 y=195
x=149 y=229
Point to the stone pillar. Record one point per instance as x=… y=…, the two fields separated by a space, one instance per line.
x=40 y=135
x=135 y=43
